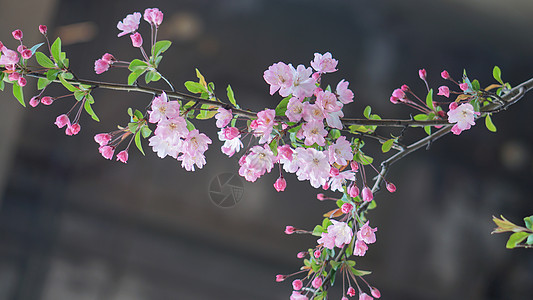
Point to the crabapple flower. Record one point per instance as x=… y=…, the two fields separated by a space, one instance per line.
x=336 y=182
x=422 y=74
x=196 y=142
x=367 y=194
x=26 y=54
x=189 y=159
x=328 y=101
x=285 y=152
x=22 y=81
x=163 y=109
x=317 y=282
x=107 y=151
x=350 y=292
x=100 y=66
x=295 y=109
x=297 y=296
x=172 y=127
x=313 y=112
x=34 y=101
x=73 y=129
x=324 y=63
x=314 y=166
x=280 y=77
x=8 y=58
x=398 y=93
x=102 y=138
x=280 y=184
x=43 y=29
x=297 y=285
x=129 y=24
x=303 y=84
x=153 y=16
x=375 y=292
x=164 y=147
x=265 y=124
x=463 y=86
x=314 y=132
x=444 y=91
x=366 y=234
x=445 y=75
x=391 y=187
x=360 y=248
x=289 y=229
x=231 y=132
x=364 y=296
x=344 y=94
x=260 y=159
x=346 y=208
x=223 y=117
x=230 y=146
x=339 y=233
x=17 y=34
x=463 y=115
x=122 y=156
x=47 y=100
x=136 y=40
x=280 y=278
x=340 y=152
x=62 y=121
x=353 y=191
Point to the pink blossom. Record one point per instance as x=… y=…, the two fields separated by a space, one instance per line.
x=313 y=166
x=394 y=100
x=367 y=194
x=107 y=151
x=317 y=282
x=17 y=34
x=280 y=278
x=444 y=91
x=108 y=58
x=43 y=29
x=285 y=152
x=22 y=81
x=398 y=93
x=295 y=109
x=73 y=129
x=136 y=40
x=168 y=128
x=366 y=234
x=444 y=74
x=100 y=66
x=405 y=88
x=196 y=142
x=47 y=100
x=129 y=24
x=324 y=63
x=231 y=133
x=301 y=254
x=280 y=184
x=265 y=124
x=297 y=284
x=334 y=172
x=344 y=94
x=280 y=77
x=230 y=146
x=333 y=119
x=463 y=86
x=260 y=159
x=364 y=296
x=163 y=109
x=102 y=138
x=328 y=101
x=317 y=254
x=153 y=16
x=27 y=54
x=223 y=117
x=297 y=296
x=339 y=233
x=289 y=229
x=375 y=292
x=338 y=181
x=350 y=292
x=463 y=115
x=62 y=121
x=8 y=58
x=353 y=191
x=122 y=156
x=303 y=84
x=13 y=76
x=21 y=48
x=164 y=147
x=34 y=101
x=354 y=165
x=313 y=112
x=189 y=159
x=314 y=132
x=360 y=248
x=320 y=197
x=344 y=298
x=422 y=74
x=391 y=187
x=346 y=208
x=340 y=152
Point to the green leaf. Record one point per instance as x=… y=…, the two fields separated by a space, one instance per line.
x=530 y=239
x=274 y=146
x=421 y=117
x=427 y=129
x=17 y=92
x=497 y=74
x=44 y=61
x=429 y=100
x=360 y=272
x=334 y=264
x=145 y=131
x=367 y=111
x=317 y=231
x=2 y=85
x=138 y=114
x=79 y=95
x=68 y=85
x=138 y=142
x=195 y=87
x=67 y=75
x=387 y=145
x=161 y=47
x=529 y=222
x=489 y=124
x=132 y=126
x=34 y=48
x=42 y=83
x=205 y=113
x=90 y=111
x=190 y=126
x=372 y=205
x=231 y=96
x=282 y=106
x=475 y=85
x=515 y=239
x=137 y=64
x=335 y=134
x=56 y=50
x=130 y=112
x=134 y=75
x=149 y=77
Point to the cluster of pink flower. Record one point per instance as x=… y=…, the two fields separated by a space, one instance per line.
x=101 y=65
x=10 y=59
x=172 y=137
x=130 y=24
x=109 y=141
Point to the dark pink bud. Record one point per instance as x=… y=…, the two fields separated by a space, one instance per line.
x=13 y=76
x=289 y=230
x=100 y=66
x=280 y=278
x=17 y=34
x=405 y=88
x=242 y=160
x=350 y=292
x=102 y=138
x=26 y=54
x=355 y=166
x=346 y=208
x=297 y=284
x=285 y=152
x=317 y=282
x=122 y=156
x=301 y=254
x=107 y=151
x=108 y=58
x=62 y=121
x=334 y=172
x=367 y=194
x=254 y=124
x=444 y=74
x=444 y=91
x=453 y=105
x=464 y=86
x=47 y=100
x=280 y=184
x=317 y=254
x=22 y=81
x=398 y=93
x=21 y=48
x=375 y=293
x=231 y=132
x=321 y=197
x=422 y=74
x=441 y=113
x=136 y=40
x=73 y=129
x=394 y=100
x=34 y=101
x=391 y=187
x=325 y=186
x=353 y=191
x=43 y=29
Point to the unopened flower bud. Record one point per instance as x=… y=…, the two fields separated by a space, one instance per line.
x=453 y=105
x=21 y=48
x=367 y=194
x=320 y=197
x=444 y=74
x=334 y=172
x=375 y=293
x=17 y=34
x=34 y=101
x=122 y=156
x=398 y=93
x=280 y=278
x=280 y=184
x=62 y=121
x=405 y=88
x=301 y=254
x=289 y=230
x=355 y=166
x=107 y=151
x=422 y=74
x=391 y=187
x=350 y=292
x=231 y=132
x=26 y=54
x=346 y=208
x=73 y=129
x=394 y=100
x=297 y=284
x=353 y=191
x=317 y=254
x=22 y=81
x=47 y=100
x=136 y=40
x=463 y=86
x=43 y=29
x=364 y=296
x=317 y=282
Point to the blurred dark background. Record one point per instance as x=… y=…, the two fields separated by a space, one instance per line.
x=76 y=226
